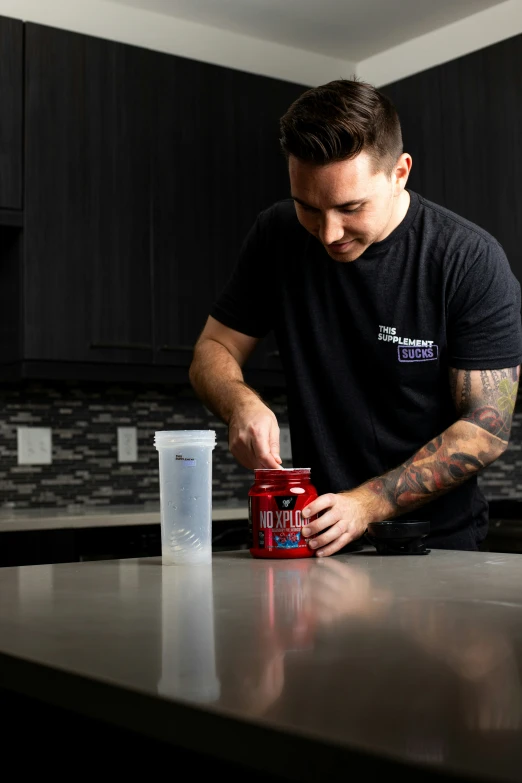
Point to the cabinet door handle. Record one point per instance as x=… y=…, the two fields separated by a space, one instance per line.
x=121 y=346
x=176 y=348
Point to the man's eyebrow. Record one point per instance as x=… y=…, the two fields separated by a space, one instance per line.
x=336 y=206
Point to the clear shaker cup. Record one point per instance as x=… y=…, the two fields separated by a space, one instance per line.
x=185 y=479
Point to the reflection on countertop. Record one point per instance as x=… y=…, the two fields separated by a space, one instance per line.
x=413 y=659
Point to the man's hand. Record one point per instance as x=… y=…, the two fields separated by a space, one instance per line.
x=344 y=519
x=253 y=437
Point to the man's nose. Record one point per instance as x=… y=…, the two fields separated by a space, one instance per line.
x=331 y=230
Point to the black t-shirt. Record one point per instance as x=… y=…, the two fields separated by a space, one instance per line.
x=366 y=345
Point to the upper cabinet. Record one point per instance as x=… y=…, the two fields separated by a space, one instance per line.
x=11 y=96
x=462 y=123
x=184 y=204
x=144 y=172
x=482 y=141
x=87 y=281
x=216 y=165
x=418 y=100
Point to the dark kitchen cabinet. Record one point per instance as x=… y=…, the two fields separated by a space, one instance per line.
x=184 y=201
x=462 y=123
x=418 y=100
x=143 y=174
x=216 y=166
x=87 y=288
x=11 y=92
x=481 y=141
x=252 y=107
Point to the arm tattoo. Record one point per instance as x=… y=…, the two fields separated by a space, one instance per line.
x=484 y=398
x=441 y=465
x=488 y=391
x=466 y=389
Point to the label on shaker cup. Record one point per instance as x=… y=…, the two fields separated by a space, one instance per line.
x=187 y=461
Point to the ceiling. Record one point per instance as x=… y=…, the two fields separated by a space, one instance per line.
x=346 y=29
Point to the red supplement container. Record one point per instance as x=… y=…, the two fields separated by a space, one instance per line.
x=275 y=502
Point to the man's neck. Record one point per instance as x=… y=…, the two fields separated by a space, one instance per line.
x=399 y=213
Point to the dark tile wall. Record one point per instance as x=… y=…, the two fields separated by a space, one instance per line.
x=85 y=471
x=84 y=419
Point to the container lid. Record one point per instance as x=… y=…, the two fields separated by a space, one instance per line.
x=281 y=474
x=177 y=438
x=282 y=470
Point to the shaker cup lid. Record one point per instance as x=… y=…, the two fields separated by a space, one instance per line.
x=177 y=438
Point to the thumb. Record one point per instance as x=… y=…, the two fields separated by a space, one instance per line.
x=274 y=443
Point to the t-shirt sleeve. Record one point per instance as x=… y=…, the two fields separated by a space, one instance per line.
x=244 y=304
x=484 y=314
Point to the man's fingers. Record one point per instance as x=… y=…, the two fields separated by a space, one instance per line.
x=270 y=462
x=274 y=443
x=318 y=525
x=337 y=529
x=319 y=504
x=264 y=456
x=335 y=546
x=254 y=438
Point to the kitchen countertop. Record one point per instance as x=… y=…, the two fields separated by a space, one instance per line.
x=298 y=667
x=104 y=516
x=149 y=514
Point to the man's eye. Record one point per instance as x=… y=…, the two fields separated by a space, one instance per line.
x=344 y=210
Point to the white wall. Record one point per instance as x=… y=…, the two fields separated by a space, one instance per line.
x=455 y=40
x=175 y=36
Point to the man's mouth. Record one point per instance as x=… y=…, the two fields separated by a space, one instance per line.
x=339 y=247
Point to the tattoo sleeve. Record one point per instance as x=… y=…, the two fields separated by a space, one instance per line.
x=487 y=398
x=484 y=402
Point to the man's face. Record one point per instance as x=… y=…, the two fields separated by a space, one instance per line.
x=346 y=204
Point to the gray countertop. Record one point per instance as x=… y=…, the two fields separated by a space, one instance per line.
x=414 y=659
x=104 y=516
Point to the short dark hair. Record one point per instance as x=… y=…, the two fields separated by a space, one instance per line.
x=338 y=120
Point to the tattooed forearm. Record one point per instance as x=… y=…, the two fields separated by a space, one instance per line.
x=444 y=463
x=486 y=398
x=485 y=401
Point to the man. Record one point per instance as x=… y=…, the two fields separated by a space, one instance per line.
x=398 y=325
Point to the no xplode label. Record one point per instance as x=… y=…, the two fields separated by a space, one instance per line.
x=276 y=503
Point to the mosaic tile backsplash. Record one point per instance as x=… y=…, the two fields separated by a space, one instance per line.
x=84 y=419
x=85 y=470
